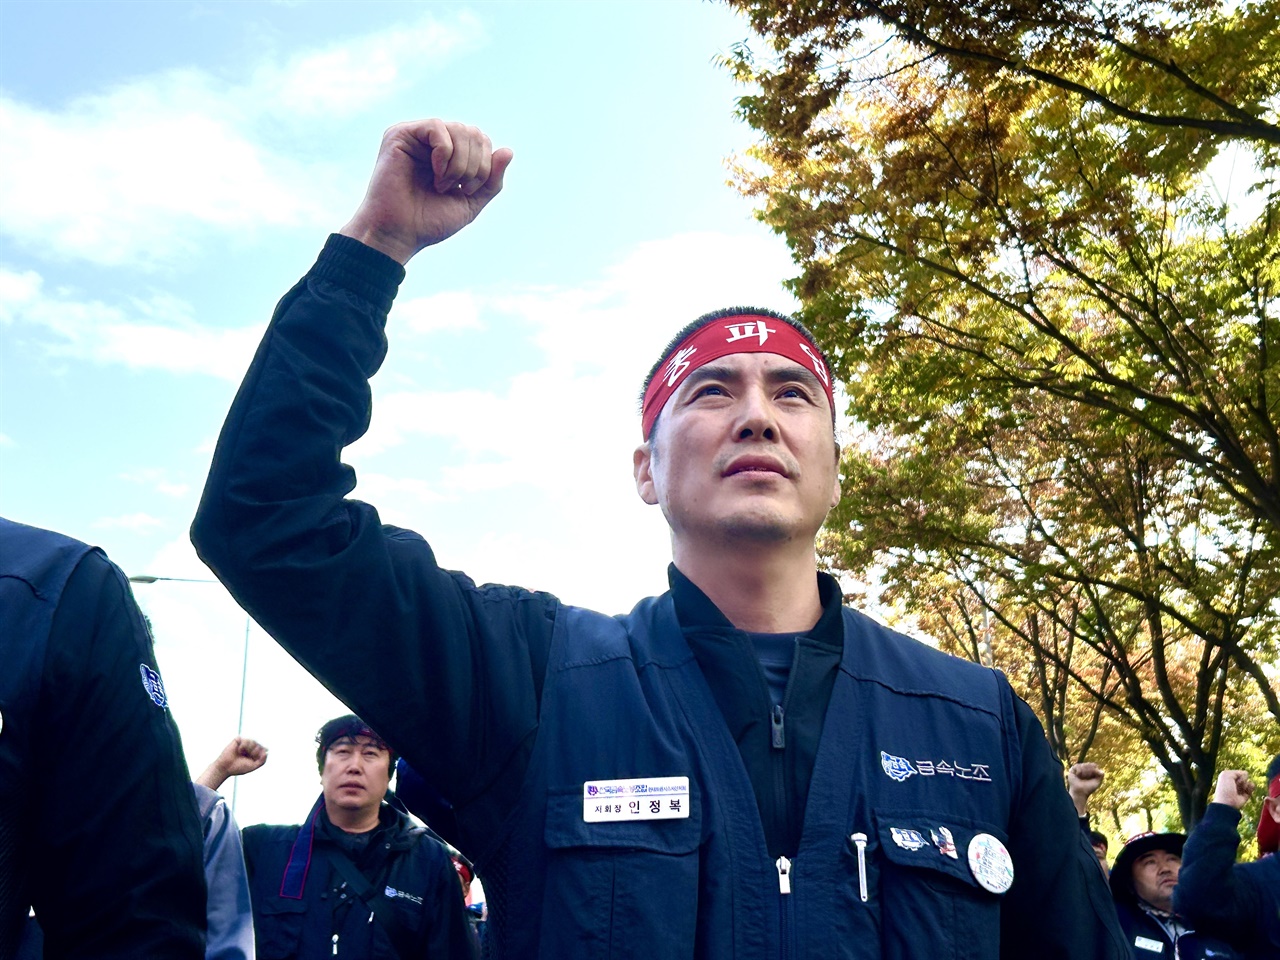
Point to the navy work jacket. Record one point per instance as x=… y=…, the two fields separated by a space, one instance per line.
x=98 y=826
x=34 y=568
x=415 y=890
x=914 y=742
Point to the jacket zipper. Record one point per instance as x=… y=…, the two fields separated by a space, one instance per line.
x=778 y=744
x=785 y=922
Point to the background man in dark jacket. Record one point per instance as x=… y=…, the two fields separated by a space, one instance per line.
x=357 y=879
x=1143 y=880
x=1241 y=901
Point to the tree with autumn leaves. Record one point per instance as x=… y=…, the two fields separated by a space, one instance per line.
x=1041 y=242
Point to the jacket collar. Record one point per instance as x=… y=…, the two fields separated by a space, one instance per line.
x=697 y=613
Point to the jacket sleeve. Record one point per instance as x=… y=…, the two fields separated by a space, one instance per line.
x=230 y=935
x=448 y=673
x=119 y=868
x=450 y=931
x=1210 y=891
x=1059 y=905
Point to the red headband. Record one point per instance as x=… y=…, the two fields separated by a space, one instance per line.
x=739 y=333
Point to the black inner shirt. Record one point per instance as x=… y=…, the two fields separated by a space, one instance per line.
x=774 y=707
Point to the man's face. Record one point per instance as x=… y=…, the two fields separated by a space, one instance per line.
x=1100 y=851
x=743 y=450
x=355 y=775
x=1155 y=874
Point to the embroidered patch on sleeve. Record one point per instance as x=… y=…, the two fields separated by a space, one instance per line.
x=154 y=686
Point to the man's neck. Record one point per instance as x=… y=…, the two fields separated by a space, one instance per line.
x=760 y=591
x=1163 y=910
x=361 y=820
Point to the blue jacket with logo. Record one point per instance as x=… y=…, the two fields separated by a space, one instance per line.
x=415 y=892
x=511 y=705
x=83 y=714
x=919 y=756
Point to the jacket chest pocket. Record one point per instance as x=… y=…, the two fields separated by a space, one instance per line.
x=277 y=927
x=621 y=888
x=399 y=911
x=940 y=880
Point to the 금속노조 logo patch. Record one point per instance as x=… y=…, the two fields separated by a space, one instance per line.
x=154 y=686
x=900 y=768
x=908 y=839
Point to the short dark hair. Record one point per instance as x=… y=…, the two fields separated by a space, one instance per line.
x=349 y=725
x=712 y=317
x=1098 y=839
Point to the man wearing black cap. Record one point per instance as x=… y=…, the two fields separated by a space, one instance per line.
x=357 y=878
x=740 y=769
x=1143 y=879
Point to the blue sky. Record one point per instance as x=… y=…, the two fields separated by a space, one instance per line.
x=168 y=170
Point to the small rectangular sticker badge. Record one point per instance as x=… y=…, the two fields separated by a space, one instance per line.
x=655 y=798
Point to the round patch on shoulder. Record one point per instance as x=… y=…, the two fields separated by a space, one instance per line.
x=990 y=863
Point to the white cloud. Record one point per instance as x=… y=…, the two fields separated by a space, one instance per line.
x=17 y=290
x=157 y=480
x=93 y=330
x=127 y=176
x=7 y=441
x=177 y=559
x=344 y=78
x=451 y=310
x=137 y=522
x=379 y=488
x=135 y=174
x=463 y=416
x=193 y=349
x=484 y=475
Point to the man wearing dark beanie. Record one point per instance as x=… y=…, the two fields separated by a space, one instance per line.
x=740 y=768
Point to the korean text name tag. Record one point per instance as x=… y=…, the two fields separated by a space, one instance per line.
x=656 y=798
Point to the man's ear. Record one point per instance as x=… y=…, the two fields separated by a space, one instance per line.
x=1272 y=806
x=835 y=494
x=642 y=470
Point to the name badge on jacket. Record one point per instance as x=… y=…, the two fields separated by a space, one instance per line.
x=655 y=798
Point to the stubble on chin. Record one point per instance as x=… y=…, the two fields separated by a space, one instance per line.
x=754 y=529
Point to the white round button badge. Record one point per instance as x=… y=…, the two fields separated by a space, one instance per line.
x=990 y=863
